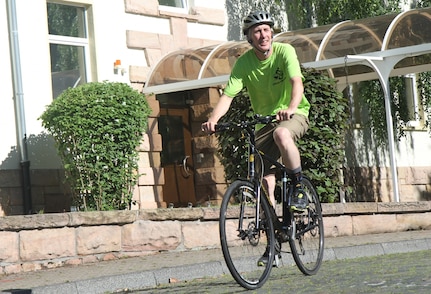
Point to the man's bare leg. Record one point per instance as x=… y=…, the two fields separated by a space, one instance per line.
x=269 y=185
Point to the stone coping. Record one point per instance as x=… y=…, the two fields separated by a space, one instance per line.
x=96 y=218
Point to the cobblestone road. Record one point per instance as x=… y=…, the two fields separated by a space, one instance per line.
x=395 y=273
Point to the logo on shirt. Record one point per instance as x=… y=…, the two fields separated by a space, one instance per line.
x=278 y=76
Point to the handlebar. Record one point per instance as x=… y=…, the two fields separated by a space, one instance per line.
x=257 y=119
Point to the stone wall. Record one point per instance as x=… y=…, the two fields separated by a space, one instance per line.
x=375 y=183
x=148 y=192
x=48 y=191
x=35 y=242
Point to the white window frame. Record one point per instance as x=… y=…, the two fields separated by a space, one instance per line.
x=77 y=42
x=413 y=100
x=83 y=42
x=184 y=9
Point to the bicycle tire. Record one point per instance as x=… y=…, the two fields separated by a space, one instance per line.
x=307 y=240
x=241 y=242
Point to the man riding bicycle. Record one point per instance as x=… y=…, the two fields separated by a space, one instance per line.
x=271 y=73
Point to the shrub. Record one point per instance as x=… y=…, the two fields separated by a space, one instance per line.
x=97 y=128
x=322 y=148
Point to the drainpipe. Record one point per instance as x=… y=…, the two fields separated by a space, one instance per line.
x=19 y=105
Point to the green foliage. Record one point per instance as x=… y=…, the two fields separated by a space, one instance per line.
x=299 y=14
x=322 y=148
x=424 y=86
x=424 y=82
x=302 y=13
x=63 y=20
x=423 y=3
x=371 y=96
x=97 y=128
x=333 y=11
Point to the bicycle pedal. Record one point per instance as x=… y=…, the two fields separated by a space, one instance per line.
x=283 y=237
x=299 y=211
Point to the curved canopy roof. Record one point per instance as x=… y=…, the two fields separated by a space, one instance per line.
x=366 y=49
x=373 y=35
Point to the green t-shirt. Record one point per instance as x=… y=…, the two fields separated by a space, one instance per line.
x=268 y=81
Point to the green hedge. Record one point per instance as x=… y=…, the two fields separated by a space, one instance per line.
x=97 y=128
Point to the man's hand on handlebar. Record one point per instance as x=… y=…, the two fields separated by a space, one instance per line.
x=208 y=127
x=211 y=127
x=284 y=114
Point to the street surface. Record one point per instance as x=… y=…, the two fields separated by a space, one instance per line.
x=394 y=273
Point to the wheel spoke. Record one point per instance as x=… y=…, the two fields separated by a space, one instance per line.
x=307 y=242
x=243 y=242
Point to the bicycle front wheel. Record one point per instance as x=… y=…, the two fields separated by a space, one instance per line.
x=246 y=235
x=307 y=237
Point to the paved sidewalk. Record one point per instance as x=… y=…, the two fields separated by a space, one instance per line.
x=152 y=270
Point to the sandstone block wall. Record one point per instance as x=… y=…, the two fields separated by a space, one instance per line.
x=35 y=242
x=375 y=183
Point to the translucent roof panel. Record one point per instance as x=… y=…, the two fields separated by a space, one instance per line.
x=355 y=37
x=179 y=66
x=410 y=28
x=314 y=44
x=306 y=41
x=222 y=59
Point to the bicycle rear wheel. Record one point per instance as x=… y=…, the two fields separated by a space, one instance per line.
x=307 y=239
x=245 y=235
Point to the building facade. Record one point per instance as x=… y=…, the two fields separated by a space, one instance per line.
x=124 y=41
x=113 y=40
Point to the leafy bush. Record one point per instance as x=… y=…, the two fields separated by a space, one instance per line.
x=97 y=128
x=322 y=148
x=425 y=92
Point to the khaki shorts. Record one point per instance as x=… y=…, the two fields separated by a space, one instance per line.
x=297 y=126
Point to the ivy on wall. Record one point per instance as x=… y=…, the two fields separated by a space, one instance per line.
x=424 y=87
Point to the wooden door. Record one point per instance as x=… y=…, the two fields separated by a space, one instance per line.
x=177 y=157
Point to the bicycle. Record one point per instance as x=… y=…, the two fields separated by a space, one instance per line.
x=250 y=226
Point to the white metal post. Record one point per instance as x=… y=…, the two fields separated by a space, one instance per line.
x=383 y=69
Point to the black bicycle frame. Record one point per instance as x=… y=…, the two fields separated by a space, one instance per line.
x=285 y=191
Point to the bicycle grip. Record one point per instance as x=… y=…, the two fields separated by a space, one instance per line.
x=222 y=127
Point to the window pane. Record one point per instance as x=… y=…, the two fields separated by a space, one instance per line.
x=67 y=67
x=171 y=129
x=173 y=3
x=64 y=20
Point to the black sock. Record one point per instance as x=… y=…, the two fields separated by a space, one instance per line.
x=296 y=177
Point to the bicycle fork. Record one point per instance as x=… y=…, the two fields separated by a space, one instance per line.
x=253 y=227
x=288 y=228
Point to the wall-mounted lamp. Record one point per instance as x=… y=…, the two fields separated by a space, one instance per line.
x=117 y=68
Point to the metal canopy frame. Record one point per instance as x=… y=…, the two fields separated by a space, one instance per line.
x=325 y=64
x=382 y=61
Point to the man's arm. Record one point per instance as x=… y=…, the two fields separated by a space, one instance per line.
x=220 y=109
x=297 y=92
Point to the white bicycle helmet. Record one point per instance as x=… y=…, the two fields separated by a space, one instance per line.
x=257 y=17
